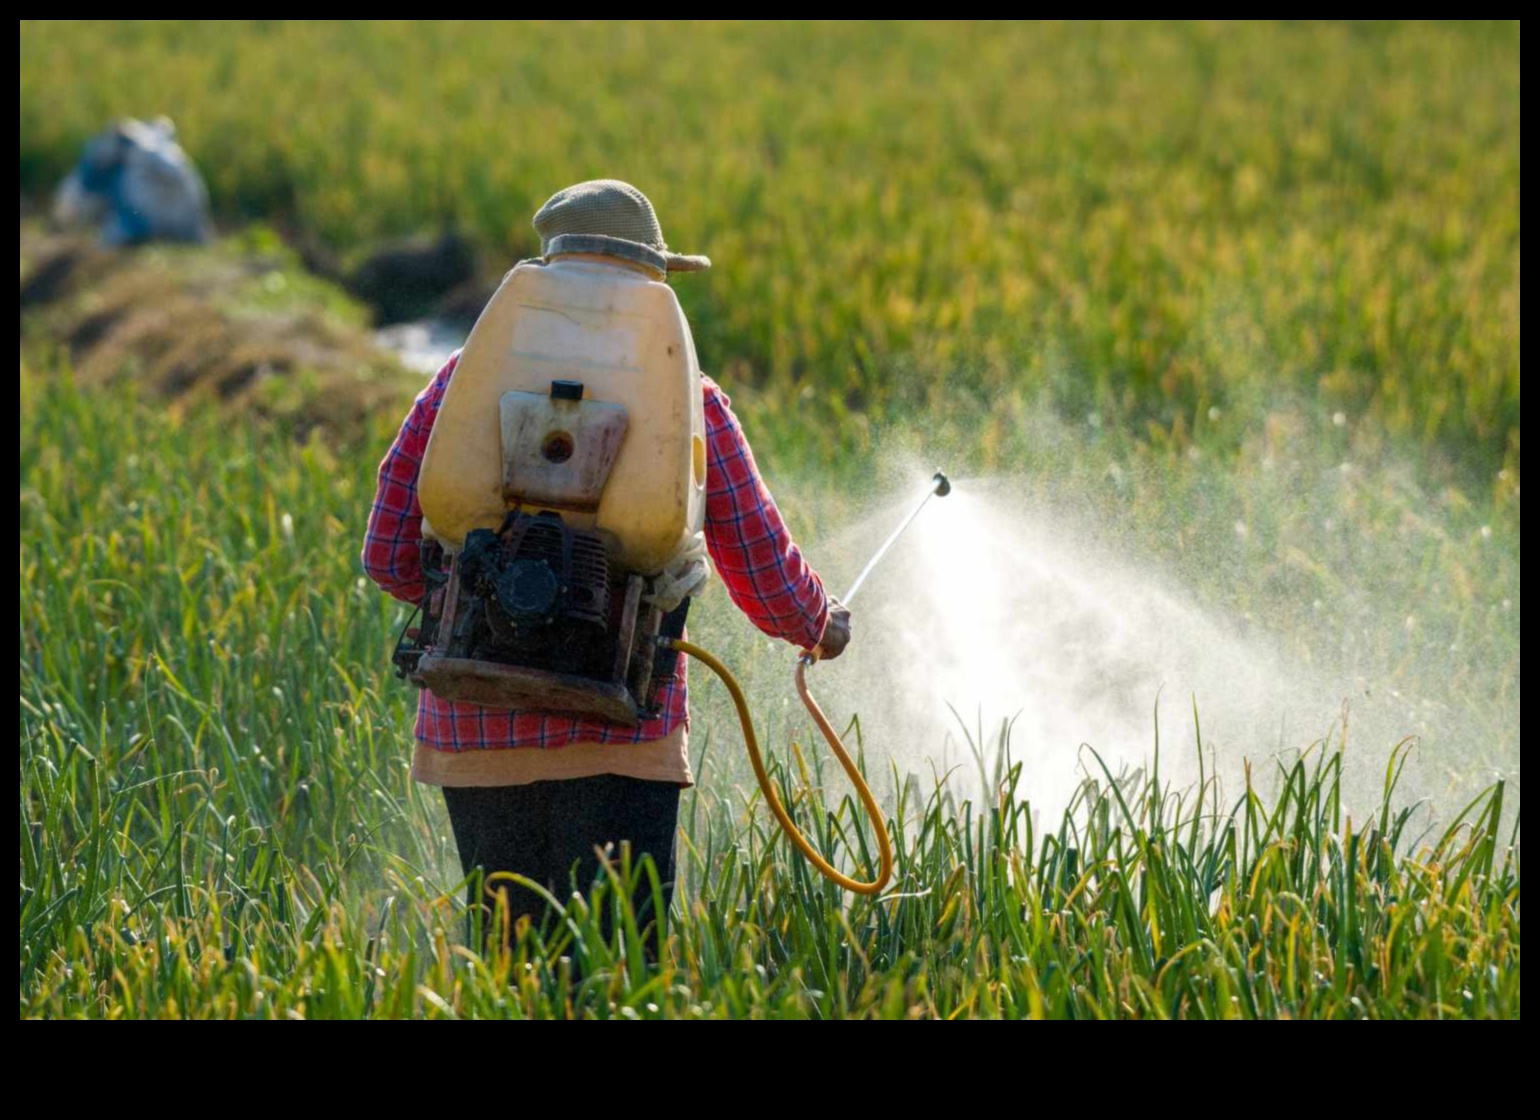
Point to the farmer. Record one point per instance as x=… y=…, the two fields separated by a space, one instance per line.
x=542 y=794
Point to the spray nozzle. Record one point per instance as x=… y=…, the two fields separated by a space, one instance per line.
x=941 y=484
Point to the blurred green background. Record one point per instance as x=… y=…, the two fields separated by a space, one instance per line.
x=952 y=220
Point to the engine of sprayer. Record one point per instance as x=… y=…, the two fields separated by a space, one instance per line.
x=537 y=595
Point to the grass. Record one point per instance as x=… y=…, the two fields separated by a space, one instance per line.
x=969 y=222
x=216 y=818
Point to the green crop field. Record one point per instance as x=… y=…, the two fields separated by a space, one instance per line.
x=216 y=818
x=1237 y=303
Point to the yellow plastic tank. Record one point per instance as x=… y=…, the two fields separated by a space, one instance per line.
x=618 y=332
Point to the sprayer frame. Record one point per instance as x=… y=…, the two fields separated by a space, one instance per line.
x=494 y=684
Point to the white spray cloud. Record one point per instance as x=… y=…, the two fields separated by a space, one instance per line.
x=991 y=611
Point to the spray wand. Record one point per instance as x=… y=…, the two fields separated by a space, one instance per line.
x=940 y=487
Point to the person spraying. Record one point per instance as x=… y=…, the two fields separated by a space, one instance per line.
x=548 y=505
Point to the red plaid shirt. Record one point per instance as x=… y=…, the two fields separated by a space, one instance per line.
x=749 y=544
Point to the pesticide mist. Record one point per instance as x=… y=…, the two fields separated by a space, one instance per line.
x=1001 y=609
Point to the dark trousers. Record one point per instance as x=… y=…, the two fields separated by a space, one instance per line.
x=552 y=832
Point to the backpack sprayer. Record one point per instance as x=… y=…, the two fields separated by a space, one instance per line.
x=563 y=496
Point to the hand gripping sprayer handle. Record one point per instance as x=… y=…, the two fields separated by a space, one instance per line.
x=940 y=487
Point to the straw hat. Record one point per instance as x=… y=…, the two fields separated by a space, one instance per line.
x=613 y=219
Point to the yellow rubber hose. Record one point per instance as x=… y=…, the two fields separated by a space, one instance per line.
x=885 y=846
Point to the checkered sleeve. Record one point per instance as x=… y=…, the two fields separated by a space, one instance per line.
x=392 y=545
x=759 y=563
